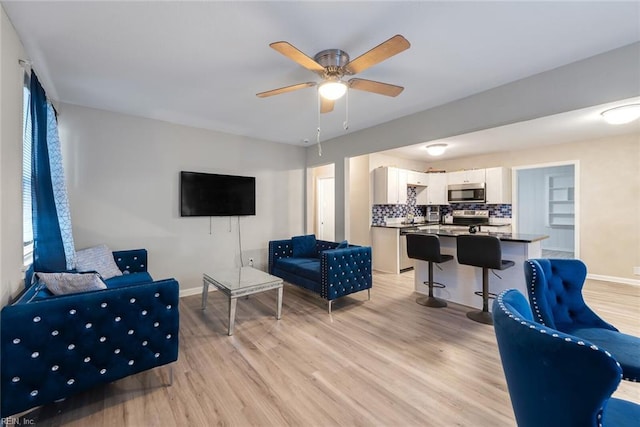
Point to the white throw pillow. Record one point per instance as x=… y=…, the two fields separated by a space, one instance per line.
x=98 y=258
x=70 y=283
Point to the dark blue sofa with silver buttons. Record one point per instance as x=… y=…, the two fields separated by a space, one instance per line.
x=329 y=269
x=53 y=346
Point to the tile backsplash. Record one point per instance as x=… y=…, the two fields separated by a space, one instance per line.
x=380 y=212
x=495 y=211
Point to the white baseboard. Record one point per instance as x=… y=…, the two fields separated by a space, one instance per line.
x=633 y=282
x=193 y=291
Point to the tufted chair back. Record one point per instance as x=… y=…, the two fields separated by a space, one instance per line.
x=555 y=379
x=555 y=293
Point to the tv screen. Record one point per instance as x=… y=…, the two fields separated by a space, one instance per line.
x=205 y=194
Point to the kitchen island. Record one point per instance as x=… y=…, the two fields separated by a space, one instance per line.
x=462 y=281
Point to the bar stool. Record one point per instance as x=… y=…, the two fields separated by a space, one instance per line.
x=426 y=247
x=485 y=252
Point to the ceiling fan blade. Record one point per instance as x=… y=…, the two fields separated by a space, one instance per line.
x=291 y=52
x=326 y=105
x=375 y=87
x=285 y=89
x=384 y=50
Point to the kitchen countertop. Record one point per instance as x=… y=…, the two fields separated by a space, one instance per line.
x=436 y=229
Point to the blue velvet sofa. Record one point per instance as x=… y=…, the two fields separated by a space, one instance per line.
x=53 y=346
x=329 y=269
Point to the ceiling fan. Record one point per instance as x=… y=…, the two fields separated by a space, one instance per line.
x=333 y=64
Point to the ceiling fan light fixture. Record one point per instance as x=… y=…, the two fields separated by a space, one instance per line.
x=332 y=90
x=621 y=115
x=436 y=149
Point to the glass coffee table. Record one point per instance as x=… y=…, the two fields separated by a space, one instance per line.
x=238 y=282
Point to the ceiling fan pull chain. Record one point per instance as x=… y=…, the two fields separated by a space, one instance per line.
x=318 y=129
x=345 y=125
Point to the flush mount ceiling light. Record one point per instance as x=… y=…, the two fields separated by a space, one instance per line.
x=332 y=90
x=621 y=115
x=436 y=149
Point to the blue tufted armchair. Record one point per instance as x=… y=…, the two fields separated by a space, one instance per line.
x=555 y=294
x=56 y=346
x=556 y=379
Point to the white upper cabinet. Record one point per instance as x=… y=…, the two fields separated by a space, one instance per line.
x=419 y=179
x=389 y=186
x=498 y=186
x=471 y=176
x=437 y=189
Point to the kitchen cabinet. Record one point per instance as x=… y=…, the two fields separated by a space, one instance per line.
x=417 y=178
x=389 y=250
x=472 y=176
x=498 y=186
x=437 y=189
x=389 y=186
x=422 y=196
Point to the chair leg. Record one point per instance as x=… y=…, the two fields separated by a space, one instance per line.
x=430 y=300
x=483 y=316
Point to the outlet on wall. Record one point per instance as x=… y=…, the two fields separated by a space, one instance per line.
x=636 y=271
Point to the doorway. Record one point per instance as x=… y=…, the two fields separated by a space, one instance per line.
x=325 y=203
x=546 y=202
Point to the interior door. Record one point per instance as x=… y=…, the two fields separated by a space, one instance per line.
x=325 y=209
x=546 y=204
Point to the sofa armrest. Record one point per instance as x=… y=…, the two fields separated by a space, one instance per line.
x=345 y=271
x=133 y=260
x=53 y=348
x=279 y=249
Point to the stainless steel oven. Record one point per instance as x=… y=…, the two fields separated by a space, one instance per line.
x=466 y=193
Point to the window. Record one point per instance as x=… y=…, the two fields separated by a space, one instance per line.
x=27 y=225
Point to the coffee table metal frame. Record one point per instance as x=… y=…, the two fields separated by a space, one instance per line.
x=238 y=282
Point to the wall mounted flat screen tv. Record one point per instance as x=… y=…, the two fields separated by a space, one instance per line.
x=205 y=194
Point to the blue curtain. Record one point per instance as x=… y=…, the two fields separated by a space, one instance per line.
x=53 y=247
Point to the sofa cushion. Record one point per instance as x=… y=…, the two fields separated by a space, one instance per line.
x=129 y=279
x=304 y=246
x=71 y=283
x=342 y=245
x=97 y=258
x=305 y=267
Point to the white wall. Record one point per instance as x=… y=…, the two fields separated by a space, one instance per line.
x=123 y=178
x=11 y=77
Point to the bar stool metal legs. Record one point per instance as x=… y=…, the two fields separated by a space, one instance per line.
x=430 y=300
x=483 y=316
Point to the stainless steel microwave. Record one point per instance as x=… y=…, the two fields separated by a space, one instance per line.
x=466 y=193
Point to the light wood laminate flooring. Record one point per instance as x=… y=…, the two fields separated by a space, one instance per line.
x=383 y=362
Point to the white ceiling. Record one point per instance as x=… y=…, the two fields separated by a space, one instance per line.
x=201 y=63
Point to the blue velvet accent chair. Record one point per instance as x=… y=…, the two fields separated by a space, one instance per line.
x=329 y=269
x=556 y=379
x=555 y=295
x=54 y=346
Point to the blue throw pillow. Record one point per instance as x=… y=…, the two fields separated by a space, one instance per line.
x=304 y=246
x=342 y=245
